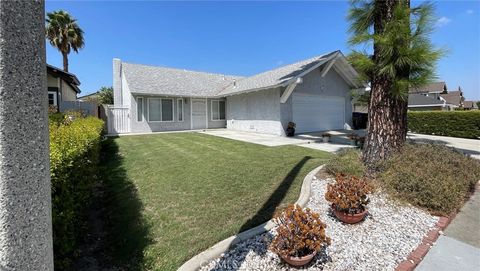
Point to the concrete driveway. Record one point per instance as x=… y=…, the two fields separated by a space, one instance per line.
x=339 y=140
x=311 y=140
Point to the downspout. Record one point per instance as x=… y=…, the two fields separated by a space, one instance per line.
x=59 y=92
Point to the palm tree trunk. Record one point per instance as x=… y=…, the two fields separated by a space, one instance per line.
x=387 y=113
x=65 y=61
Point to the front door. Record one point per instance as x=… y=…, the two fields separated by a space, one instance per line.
x=199 y=113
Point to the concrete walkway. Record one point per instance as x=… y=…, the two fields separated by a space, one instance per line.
x=312 y=141
x=459 y=248
x=465 y=145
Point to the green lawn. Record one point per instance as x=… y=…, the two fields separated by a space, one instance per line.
x=170 y=196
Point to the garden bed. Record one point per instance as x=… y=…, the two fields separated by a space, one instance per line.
x=385 y=238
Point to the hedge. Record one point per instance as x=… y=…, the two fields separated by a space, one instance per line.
x=445 y=123
x=74 y=157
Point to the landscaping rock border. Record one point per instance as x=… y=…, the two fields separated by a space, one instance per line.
x=215 y=251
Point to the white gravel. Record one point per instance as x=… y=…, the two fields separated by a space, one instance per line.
x=385 y=238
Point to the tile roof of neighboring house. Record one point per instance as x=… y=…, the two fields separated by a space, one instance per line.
x=176 y=82
x=430 y=88
x=422 y=100
x=150 y=80
x=70 y=78
x=454 y=97
x=470 y=104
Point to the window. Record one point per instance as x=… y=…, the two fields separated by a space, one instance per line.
x=52 y=98
x=218 y=110
x=167 y=109
x=139 y=109
x=160 y=109
x=180 y=109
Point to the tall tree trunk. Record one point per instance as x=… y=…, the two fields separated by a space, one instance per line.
x=387 y=113
x=65 y=61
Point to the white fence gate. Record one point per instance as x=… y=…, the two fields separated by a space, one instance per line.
x=118 y=120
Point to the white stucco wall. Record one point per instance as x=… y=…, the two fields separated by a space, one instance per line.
x=330 y=85
x=255 y=112
x=126 y=94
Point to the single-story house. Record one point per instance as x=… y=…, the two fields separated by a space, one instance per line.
x=454 y=98
x=431 y=89
x=421 y=102
x=92 y=97
x=62 y=86
x=314 y=93
x=470 y=105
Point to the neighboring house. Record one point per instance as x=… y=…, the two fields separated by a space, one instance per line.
x=92 y=97
x=429 y=97
x=313 y=93
x=420 y=102
x=470 y=105
x=455 y=98
x=433 y=89
x=62 y=86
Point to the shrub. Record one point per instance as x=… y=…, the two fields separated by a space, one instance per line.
x=348 y=162
x=433 y=177
x=74 y=155
x=56 y=118
x=446 y=123
x=299 y=232
x=349 y=194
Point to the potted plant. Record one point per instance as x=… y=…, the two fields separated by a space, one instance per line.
x=326 y=137
x=300 y=235
x=290 y=129
x=349 y=198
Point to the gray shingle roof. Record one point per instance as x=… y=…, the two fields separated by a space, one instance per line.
x=454 y=97
x=275 y=77
x=144 y=79
x=429 y=88
x=70 y=78
x=420 y=99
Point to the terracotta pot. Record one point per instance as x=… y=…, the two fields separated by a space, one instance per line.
x=349 y=218
x=299 y=261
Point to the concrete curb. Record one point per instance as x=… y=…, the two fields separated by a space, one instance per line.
x=416 y=256
x=215 y=251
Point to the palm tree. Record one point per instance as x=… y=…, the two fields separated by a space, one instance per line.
x=403 y=57
x=64 y=33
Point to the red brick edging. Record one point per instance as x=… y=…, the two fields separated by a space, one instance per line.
x=428 y=240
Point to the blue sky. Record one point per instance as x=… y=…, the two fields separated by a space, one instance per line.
x=244 y=38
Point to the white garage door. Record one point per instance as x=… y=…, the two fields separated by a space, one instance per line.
x=317 y=113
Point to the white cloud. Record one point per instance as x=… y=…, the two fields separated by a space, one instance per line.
x=469 y=11
x=443 y=21
x=279 y=62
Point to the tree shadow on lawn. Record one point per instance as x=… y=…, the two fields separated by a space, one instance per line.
x=265 y=213
x=128 y=234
